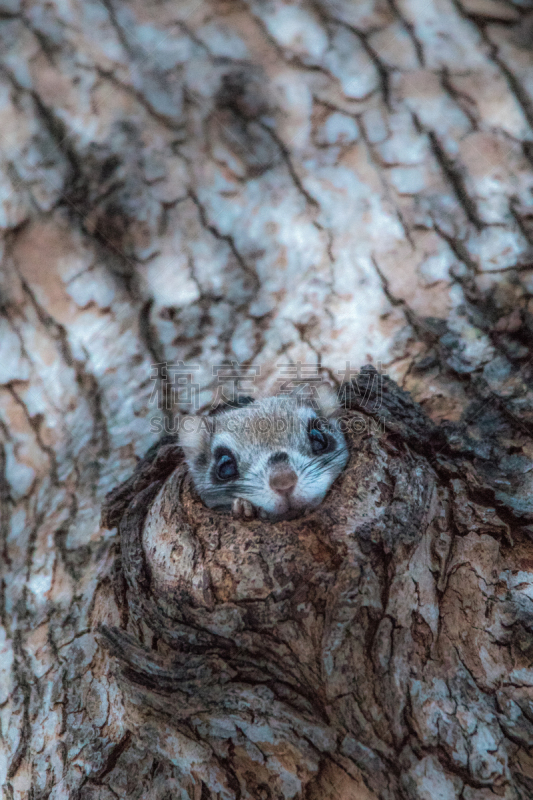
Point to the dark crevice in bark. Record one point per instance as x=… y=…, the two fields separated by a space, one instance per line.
x=114 y=756
x=458 y=248
x=382 y=70
x=309 y=199
x=374 y=157
x=156 y=349
x=25 y=689
x=520 y=93
x=453 y=175
x=248 y=271
x=465 y=103
x=410 y=30
x=167 y=121
x=35 y=423
x=87 y=383
x=5 y=508
x=121 y=36
x=523 y=223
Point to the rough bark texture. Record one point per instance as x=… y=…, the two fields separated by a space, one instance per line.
x=324 y=182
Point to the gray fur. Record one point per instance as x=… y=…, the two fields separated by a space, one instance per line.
x=265 y=436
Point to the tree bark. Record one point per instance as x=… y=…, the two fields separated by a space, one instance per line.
x=266 y=183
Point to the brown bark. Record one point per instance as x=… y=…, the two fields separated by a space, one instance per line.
x=266 y=183
x=373 y=649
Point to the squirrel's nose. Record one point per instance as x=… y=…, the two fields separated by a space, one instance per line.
x=283 y=480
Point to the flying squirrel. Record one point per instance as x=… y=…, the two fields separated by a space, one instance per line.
x=275 y=458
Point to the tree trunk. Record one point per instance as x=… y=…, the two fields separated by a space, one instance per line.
x=261 y=184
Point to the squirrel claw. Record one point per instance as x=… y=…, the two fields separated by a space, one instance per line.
x=242 y=509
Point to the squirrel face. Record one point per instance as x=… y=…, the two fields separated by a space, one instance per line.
x=277 y=456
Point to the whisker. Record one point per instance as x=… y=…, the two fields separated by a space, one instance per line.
x=228 y=489
x=320 y=464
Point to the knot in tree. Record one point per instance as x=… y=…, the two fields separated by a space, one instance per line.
x=367 y=649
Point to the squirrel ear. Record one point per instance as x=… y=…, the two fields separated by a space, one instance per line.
x=194 y=434
x=328 y=401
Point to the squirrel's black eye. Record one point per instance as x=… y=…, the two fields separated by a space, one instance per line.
x=226 y=465
x=318 y=439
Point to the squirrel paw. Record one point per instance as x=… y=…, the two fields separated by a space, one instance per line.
x=243 y=509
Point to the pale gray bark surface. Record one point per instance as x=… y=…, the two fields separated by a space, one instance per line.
x=327 y=182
